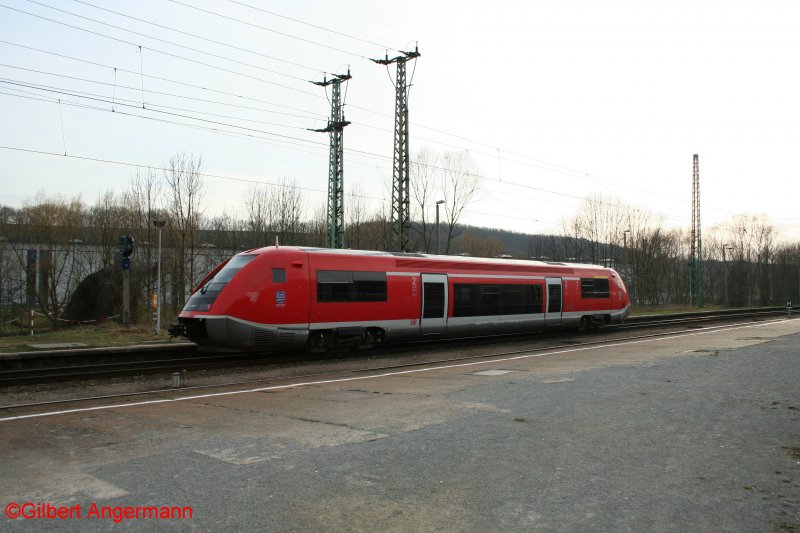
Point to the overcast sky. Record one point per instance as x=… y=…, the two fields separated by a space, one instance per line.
x=553 y=100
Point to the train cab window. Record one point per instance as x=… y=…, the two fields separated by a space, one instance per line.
x=346 y=286
x=278 y=275
x=595 y=288
x=203 y=299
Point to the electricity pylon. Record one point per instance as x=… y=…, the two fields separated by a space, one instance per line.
x=335 y=128
x=696 y=288
x=401 y=195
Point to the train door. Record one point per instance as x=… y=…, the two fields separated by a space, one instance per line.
x=434 y=304
x=552 y=315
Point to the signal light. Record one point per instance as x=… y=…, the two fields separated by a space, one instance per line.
x=125 y=245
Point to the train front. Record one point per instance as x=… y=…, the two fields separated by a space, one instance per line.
x=623 y=299
x=256 y=301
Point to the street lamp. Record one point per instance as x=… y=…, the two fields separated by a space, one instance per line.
x=725 y=262
x=438 y=247
x=158 y=224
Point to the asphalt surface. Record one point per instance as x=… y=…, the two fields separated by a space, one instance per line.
x=692 y=433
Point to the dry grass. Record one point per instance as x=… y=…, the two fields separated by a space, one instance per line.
x=106 y=334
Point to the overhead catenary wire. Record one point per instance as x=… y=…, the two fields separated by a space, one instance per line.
x=322 y=146
x=178 y=115
x=251 y=131
x=169 y=54
x=149 y=76
x=201 y=37
x=441 y=131
x=158 y=39
x=307 y=115
x=253 y=25
x=166 y=169
x=152 y=106
x=273 y=13
x=566 y=170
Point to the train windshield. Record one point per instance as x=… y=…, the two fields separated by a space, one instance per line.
x=202 y=299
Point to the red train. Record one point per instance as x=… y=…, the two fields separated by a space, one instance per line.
x=284 y=297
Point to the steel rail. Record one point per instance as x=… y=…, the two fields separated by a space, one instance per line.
x=36 y=370
x=361 y=369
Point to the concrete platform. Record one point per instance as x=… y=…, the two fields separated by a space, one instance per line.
x=698 y=432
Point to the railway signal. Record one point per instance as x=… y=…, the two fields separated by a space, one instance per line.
x=125 y=244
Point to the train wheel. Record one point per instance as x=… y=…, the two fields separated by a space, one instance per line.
x=316 y=342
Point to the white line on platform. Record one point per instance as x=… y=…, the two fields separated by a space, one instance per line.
x=383 y=375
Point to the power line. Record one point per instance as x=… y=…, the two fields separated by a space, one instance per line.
x=280 y=138
x=313 y=26
x=269 y=29
x=165 y=169
x=151 y=107
x=169 y=54
x=179 y=115
x=280 y=141
x=557 y=167
x=181 y=96
x=571 y=172
x=306 y=144
x=149 y=76
x=148 y=37
x=200 y=37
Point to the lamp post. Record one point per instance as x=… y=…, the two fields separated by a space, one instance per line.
x=625 y=245
x=626 y=270
x=438 y=247
x=725 y=262
x=158 y=224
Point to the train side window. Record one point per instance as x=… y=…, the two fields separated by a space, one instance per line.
x=346 y=286
x=489 y=300
x=278 y=275
x=334 y=286
x=536 y=298
x=595 y=288
x=370 y=286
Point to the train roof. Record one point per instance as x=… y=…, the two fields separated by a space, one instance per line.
x=463 y=260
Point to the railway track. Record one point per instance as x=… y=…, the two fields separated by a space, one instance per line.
x=353 y=366
x=94 y=364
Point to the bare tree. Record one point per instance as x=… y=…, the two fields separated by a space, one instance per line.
x=107 y=220
x=316 y=228
x=288 y=212
x=460 y=185
x=144 y=201
x=185 y=196
x=258 y=205
x=425 y=181
x=50 y=226
x=356 y=216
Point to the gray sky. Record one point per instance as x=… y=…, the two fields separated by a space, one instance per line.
x=554 y=100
